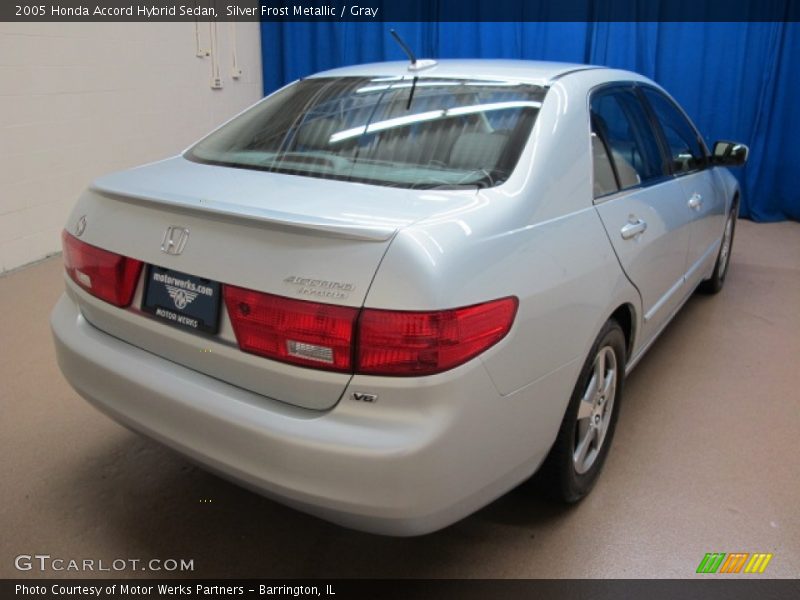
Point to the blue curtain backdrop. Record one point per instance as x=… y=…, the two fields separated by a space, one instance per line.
x=737 y=81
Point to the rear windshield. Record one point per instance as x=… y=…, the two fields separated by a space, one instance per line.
x=423 y=133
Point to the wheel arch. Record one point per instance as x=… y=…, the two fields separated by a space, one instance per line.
x=625 y=316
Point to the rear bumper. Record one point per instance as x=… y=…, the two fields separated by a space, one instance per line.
x=429 y=452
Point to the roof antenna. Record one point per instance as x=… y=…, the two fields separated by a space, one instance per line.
x=404 y=47
x=416 y=65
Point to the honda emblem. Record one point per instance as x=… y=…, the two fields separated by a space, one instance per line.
x=175 y=239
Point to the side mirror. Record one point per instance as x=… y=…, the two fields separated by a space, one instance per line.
x=730 y=154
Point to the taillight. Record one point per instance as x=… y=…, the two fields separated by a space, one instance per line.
x=384 y=342
x=421 y=343
x=294 y=331
x=104 y=274
x=312 y=334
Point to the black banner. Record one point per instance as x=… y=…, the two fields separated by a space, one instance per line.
x=399 y=10
x=251 y=589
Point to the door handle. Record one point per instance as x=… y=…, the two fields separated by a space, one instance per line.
x=696 y=201
x=633 y=228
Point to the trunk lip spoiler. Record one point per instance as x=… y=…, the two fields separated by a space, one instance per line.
x=283 y=220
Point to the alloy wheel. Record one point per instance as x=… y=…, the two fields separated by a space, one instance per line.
x=595 y=410
x=725 y=251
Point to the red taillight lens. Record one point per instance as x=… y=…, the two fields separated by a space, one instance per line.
x=293 y=331
x=387 y=342
x=108 y=276
x=421 y=343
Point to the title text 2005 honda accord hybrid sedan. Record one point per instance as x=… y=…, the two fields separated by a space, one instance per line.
x=386 y=295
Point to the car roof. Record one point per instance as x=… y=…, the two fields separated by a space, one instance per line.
x=533 y=71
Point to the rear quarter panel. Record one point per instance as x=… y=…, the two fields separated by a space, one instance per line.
x=537 y=237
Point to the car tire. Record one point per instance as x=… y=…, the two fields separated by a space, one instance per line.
x=574 y=463
x=714 y=284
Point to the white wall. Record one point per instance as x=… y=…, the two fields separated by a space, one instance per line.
x=78 y=100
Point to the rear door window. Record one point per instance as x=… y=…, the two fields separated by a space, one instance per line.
x=621 y=121
x=605 y=180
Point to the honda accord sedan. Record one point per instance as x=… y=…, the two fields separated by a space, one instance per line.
x=388 y=294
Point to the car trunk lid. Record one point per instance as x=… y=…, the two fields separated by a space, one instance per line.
x=296 y=237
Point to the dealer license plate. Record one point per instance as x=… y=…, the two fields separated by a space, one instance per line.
x=181 y=299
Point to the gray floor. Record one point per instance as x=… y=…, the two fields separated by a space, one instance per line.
x=705 y=459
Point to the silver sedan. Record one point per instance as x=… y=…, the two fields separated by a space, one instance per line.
x=386 y=295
